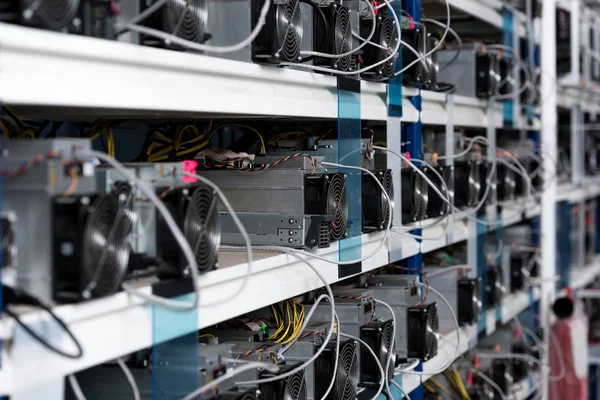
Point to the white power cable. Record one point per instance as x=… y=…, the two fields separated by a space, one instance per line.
x=134 y=387
x=274 y=368
x=204 y=47
x=445 y=270
x=389 y=358
x=148 y=191
x=401 y=389
x=437 y=46
x=335 y=362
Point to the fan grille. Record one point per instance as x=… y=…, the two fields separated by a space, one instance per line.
x=342 y=36
x=433 y=327
x=186 y=19
x=105 y=248
x=386 y=348
x=346 y=380
x=421 y=197
x=54 y=14
x=388 y=185
x=388 y=40
x=289 y=30
x=8 y=243
x=474 y=184
x=337 y=205
x=295 y=387
x=201 y=227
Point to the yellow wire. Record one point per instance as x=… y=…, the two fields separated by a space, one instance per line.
x=263 y=149
x=461 y=384
x=438 y=385
x=286 y=134
x=428 y=387
x=207 y=335
x=162 y=136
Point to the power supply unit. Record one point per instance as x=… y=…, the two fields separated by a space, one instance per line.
x=475 y=73
x=501 y=374
x=385 y=37
x=280 y=38
x=462 y=293
x=332 y=34
x=29 y=198
x=355 y=309
x=467 y=183
x=227 y=23
x=192 y=205
x=495 y=286
x=375 y=206
x=252 y=351
x=416 y=325
x=505 y=182
x=425 y=72
x=94 y=18
x=284 y=206
x=414 y=195
x=318 y=375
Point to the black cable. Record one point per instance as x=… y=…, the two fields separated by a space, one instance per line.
x=15 y=296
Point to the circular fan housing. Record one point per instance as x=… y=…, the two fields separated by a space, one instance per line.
x=346 y=380
x=388 y=185
x=186 y=18
x=432 y=330
x=105 y=247
x=420 y=196
x=295 y=387
x=51 y=14
x=337 y=205
x=388 y=40
x=288 y=30
x=506 y=183
x=342 y=36
x=201 y=227
x=386 y=350
x=474 y=183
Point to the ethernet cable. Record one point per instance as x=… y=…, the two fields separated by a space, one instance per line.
x=370 y=350
x=134 y=387
x=457 y=330
x=148 y=191
x=436 y=46
x=337 y=72
x=132 y=26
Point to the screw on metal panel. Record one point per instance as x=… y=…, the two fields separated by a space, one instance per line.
x=291 y=240
x=291 y=221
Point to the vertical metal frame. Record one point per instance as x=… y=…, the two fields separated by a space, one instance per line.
x=575 y=38
x=508 y=39
x=577 y=145
x=449 y=162
x=586 y=45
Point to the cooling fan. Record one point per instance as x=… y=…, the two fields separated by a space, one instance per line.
x=469 y=300
x=378 y=336
x=502 y=374
x=326 y=195
x=487 y=75
x=429 y=71
x=495 y=288
x=467 y=183
x=333 y=36
x=423 y=331
x=9 y=245
x=194 y=209
x=232 y=395
x=384 y=36
x=415 y=195
x=506 y=182
x=281 y=37
x=376 y=211
x=518 y=273
x=290 y=388
x=50 y=14
x=346 y=376
x=91 y=252
x=436 y=206
x=186 y=19
x=484 y=170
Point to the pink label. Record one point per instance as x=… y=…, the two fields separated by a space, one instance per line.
x=190 y=166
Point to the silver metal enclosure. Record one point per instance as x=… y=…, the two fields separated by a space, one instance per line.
x=466 y=72
x=29 y=198
x=399 y=292
x=229 y=23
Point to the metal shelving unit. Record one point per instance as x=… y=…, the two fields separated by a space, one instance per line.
x=90 y=77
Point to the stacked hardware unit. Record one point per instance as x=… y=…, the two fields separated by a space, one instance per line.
x=475 y=73
x=384 y=36
x=501 y=374
x=495 y=286
x=507 y=85
x=355 y=309
x=95 y=18
x=425 y=72
x=463 y=294
x=332 y=34
x=417 y=324
x=193 y=205
x=414 y=195
x=436 y=205
x=505 y=182
x=284 y=205
x=485 y=169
